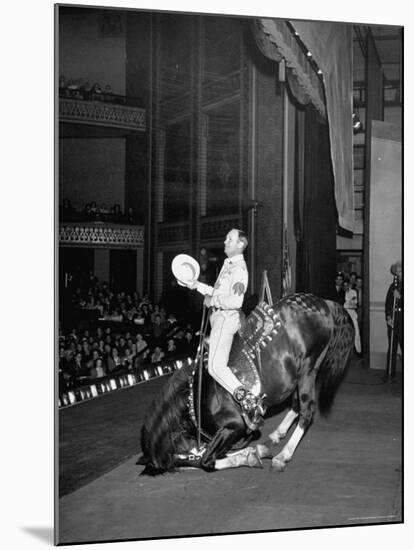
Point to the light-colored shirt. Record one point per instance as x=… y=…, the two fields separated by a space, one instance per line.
x=231 y=285
x=351 y=299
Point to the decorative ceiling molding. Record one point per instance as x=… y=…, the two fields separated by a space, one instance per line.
x=276 y=41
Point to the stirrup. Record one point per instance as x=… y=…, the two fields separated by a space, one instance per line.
x=239 y=394
x=252 y=407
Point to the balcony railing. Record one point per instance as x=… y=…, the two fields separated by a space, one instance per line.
x=99 y=234
x=100 y=113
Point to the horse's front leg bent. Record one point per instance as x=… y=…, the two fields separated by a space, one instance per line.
x=219 y=446
x=245 y=457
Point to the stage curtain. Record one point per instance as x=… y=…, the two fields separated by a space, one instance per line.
x=319 y=216
x=331 y=48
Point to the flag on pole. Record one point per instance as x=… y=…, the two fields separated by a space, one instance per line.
x=287 y=275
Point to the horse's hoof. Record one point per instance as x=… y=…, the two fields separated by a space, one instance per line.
x=263 y=451
x=278 y=464
x=273 y=441
x=253 y=460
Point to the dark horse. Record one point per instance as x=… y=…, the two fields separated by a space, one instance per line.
x=307 y=344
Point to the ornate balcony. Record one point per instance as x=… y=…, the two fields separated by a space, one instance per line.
x=99 y=113
x=100 y=234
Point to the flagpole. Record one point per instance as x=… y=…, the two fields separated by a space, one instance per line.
x=286 y=282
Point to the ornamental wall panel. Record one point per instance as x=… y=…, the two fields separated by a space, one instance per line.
x=105 y=235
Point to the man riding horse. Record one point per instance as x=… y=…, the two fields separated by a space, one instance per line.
x=225 y=300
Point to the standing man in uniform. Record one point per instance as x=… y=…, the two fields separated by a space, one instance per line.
x=394 y=319
x=225 y=300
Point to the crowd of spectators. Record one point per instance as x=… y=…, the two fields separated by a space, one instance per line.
x=91 y=211
x=82 y=89
x=344 y=282
x=128 y=333
x=347 y=290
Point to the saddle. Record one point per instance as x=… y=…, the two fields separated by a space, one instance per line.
x=255 y=333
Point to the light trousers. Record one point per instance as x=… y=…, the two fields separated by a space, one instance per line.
x=224 y=325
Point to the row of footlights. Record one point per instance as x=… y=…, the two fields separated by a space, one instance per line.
x=114 y=383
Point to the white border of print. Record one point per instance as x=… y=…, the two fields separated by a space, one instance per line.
x=27 y=280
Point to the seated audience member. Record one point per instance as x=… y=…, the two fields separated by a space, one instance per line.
x=156 y=311
x=157 y=355
x=86 y=350
x=122 y=345
x=95 y=355
x=190 y=343
x=67 y=366
x=97 y=371
x=106 y=354
x=116 y=213
x=171 y=321
x=138 y=319
x=80 y=367
x=178 y=335
x=158 y=329
x=66 y=211
x=117 y=316
x=87 y=213
x=130 y=216
x=171 y=350
x=114 y=360
x=127 y=359
x=140 y=342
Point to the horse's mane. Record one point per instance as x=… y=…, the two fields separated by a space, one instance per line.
x=166 y=421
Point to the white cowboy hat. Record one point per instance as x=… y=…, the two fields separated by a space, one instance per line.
x=185 y=269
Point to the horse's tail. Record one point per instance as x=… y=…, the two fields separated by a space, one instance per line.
x=334 y=366
x=164 y=424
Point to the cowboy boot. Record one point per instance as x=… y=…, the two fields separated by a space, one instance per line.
x=252 y=408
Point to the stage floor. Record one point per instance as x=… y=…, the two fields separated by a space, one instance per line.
x=346 y=471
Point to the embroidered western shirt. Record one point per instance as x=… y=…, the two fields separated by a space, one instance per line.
x=231 y=285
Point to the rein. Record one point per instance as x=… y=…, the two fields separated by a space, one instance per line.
x=196 y=418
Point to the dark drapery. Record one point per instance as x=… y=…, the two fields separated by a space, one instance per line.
x=316 y=258
x=331 y=47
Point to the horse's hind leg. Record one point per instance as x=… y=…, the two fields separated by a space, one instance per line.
x=306 y=409
x=279 y=461
x=264 y=450
x=283 y=428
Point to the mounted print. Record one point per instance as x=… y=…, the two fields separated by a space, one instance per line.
x=229 y=343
